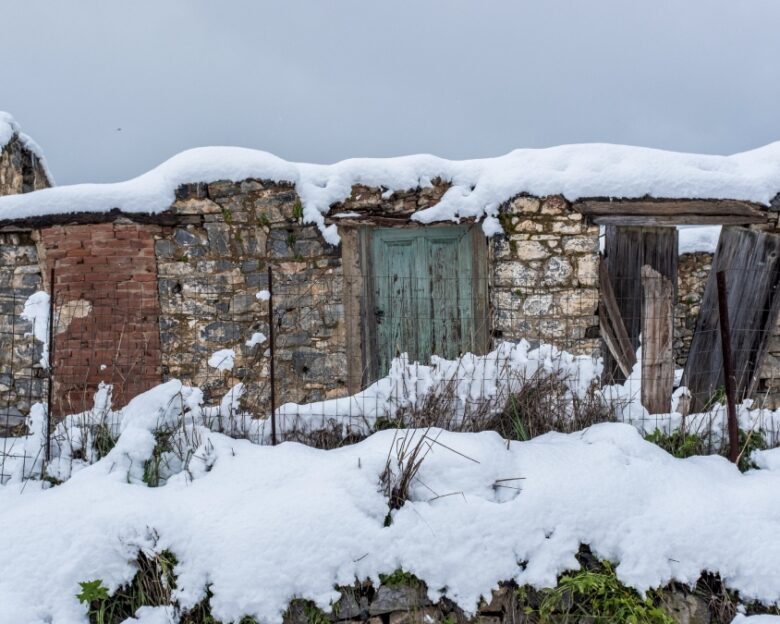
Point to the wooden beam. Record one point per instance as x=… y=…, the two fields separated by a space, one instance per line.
x=611 y=325
x=670 y=212
x=669 y=207
x=657 y=342
x=681 y=219
x=85 y=218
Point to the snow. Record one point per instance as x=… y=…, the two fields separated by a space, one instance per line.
x=256 y=339
x=10 y=128
x=756 y=619
x=304 y=520
x=222 y=360
x=478 y=187
x=36 y=311
x=153 y=615
x=263 y=295
x=698 y=238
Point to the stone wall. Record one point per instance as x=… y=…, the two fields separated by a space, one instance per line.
x=20 y=170
x=106 y=312
x=403 y=599
x=545 y=275
x=693 y=271
x=212 y=267
x=214 y=262
x=21 y=374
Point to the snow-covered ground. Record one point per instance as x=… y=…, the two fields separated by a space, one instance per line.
x=260 y=525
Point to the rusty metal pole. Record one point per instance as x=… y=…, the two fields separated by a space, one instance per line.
x=728 y=367
x=271 y=349
x=47 y=454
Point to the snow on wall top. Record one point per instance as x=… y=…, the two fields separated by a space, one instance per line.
x=10 y=128
x=478 y=188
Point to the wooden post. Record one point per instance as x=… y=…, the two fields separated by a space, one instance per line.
x=728 y=366
x=657 y=345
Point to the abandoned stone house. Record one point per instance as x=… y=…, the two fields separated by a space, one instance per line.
x=237 y=263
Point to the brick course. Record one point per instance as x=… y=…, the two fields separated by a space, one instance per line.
x=107 y=311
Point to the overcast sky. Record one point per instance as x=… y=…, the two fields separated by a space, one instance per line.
x=318 y=80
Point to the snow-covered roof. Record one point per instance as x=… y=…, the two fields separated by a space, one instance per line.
x=10 y=128
x=478 y=187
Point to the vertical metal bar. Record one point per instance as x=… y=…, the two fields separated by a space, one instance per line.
x=271 y=350
x=51 y=364
x=728 y=366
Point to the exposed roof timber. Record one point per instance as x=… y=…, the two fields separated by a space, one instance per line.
x=672 y=212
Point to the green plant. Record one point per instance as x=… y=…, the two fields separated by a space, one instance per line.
x=227 y=215
x=679 y=444
x=291 y=240
x=103 y=440
x=749 y=441
x=263 y=220
x=153 y=467
x=297 y=210
x=599 y=595
x=95 y=595
x=184 y=258
x=400 y=577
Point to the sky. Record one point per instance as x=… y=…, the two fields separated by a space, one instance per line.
x=111 y=88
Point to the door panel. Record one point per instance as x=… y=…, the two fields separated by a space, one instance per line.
x=426 y=289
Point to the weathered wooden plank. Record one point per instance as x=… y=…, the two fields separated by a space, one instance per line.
x=612 y=342
x=86 y=218
x=680 y=219
x=627 y=250
x=702 y=207
x=751 y=262
x=611 y=323
x=657 y=341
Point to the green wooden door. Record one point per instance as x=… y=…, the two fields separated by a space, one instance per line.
x=427 y=293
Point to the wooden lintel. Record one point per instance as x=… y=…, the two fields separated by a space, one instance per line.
x=669 y=212
x=681 y=219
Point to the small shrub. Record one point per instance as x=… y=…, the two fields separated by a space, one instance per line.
x=151 y=586
x=599 y=595
x=401 y=468
x=543 y=403
x=678 y=443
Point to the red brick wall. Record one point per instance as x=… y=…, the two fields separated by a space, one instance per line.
x=106 y=310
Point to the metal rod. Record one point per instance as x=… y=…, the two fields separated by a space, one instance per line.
x=51 y=364
x=728 y=367
x=271 y=349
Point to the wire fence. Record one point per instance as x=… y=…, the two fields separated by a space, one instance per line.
x=322 y=353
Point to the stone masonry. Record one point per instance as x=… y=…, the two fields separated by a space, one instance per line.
x=21 y=373
x=212 y=267
x=20 y=169
x=545 y=275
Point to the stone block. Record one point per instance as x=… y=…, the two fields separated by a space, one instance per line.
x=398 y=598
